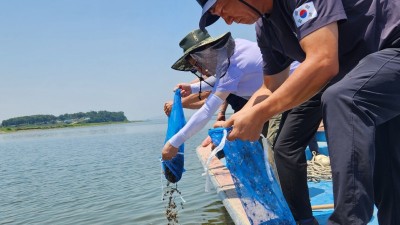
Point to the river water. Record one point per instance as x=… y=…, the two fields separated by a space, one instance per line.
x=98 y=175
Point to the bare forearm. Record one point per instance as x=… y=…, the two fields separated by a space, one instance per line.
x=260 y=95
x=195 y=105
x=319 y=67
x=307 y=80
x=222 y=110
x=223 y=107
x=193 y=102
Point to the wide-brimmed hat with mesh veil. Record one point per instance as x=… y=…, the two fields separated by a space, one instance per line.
x=194 y=41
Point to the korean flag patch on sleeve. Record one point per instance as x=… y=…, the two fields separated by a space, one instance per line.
x=304 y=13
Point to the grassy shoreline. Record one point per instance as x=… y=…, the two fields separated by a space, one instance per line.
x=4 y=130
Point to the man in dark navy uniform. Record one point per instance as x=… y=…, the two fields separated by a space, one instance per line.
x=351 y=50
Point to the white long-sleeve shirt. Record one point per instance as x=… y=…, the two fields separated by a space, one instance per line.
x=243 y=77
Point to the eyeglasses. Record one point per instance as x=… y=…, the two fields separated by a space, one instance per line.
x=195 y=64
x=198 y=67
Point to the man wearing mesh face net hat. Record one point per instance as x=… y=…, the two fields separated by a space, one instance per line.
x=233 y=66
x=237 y=68
x=352 y=48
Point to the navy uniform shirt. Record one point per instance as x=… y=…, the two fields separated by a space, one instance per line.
x=365 y=26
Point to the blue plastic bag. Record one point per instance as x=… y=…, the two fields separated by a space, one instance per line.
x=255 y=183
x=173 y=168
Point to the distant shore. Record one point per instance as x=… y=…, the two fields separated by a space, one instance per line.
x=4 y=130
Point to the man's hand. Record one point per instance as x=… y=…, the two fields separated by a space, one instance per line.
x=168 y=108
x=186 y=90
x=169 y=151
x=221 y=116
x=219 y=124
x=206 y=141
x=246 y=124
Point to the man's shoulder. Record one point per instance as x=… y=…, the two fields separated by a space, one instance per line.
x=242 y=41
x=244 y=46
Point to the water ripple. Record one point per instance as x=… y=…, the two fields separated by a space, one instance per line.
x=97 y=175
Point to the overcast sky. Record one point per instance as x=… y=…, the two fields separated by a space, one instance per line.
x=67 y=56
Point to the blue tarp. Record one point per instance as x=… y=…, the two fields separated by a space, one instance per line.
x=174 y=168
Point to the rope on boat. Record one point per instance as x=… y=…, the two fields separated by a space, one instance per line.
x=319 y=168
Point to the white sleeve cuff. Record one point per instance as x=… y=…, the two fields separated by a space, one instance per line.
x=205 y=85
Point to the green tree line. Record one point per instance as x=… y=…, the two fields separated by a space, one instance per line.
x=89 y=117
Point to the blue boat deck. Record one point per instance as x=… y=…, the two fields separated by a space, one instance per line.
x=321 y=194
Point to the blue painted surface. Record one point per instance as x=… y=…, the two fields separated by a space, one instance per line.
x=322 y=148
x=321 y=136
x=321 y=192
x=322 y=144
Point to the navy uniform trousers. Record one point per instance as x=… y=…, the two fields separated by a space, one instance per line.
x=297 y=128
x=362 y=121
